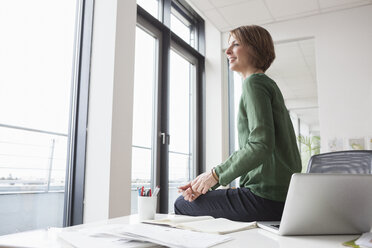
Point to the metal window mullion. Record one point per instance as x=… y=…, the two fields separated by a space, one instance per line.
x=163 y=171
x=200 y=115
x=155 y=177
x=74 y=191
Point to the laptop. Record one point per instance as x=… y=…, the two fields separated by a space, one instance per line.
x=325 y=204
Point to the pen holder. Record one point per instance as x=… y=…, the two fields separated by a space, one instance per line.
x=147 y=207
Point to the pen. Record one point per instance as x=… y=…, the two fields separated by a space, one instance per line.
x=156 y=191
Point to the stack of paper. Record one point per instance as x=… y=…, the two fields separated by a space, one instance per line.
x=128 y=235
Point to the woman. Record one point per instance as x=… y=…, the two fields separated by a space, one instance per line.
x=268 y=153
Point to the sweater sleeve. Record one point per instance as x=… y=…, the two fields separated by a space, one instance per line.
x=261 y=140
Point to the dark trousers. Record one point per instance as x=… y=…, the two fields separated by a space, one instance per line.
x=238 y=204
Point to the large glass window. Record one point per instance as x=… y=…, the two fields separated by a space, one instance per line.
x=167 y=124
x=143 y=112
x=36 y=61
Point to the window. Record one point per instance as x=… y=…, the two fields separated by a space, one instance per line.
x=237 y=86
x=151 y=6
x=181 y=29
x=184 y=24
x=235 y=92
x=167 y=123
x=178 y=27
x=181 y=126
x=38 y=124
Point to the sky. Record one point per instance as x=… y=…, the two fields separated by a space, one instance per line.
x=36 y=54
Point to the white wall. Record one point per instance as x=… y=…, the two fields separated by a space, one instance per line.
x=343 y=47
x=109 y=139
x=215 y=110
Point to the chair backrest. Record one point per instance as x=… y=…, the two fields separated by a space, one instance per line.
x=346 y=162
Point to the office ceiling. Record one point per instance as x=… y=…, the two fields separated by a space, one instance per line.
x=228 y=14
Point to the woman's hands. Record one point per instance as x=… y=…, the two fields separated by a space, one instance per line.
x=187 y=192
x=200 y=185
x=203 y=182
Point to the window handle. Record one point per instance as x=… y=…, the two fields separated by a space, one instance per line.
x=165 y=138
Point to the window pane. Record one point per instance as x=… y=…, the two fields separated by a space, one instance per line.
x=151 y=6
x=182 y=29
x=143 y=119
x=180 y=127
x=237 y=94
x=141 y=173
x=36 y=55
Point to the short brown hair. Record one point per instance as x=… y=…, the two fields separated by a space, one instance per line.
x=260 y=42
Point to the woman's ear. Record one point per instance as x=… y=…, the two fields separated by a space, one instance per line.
x=252 y=56
x=248 y=53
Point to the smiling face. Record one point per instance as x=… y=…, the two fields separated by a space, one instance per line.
x=239 y=56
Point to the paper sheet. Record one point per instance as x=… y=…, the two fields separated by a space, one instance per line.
x=172 y=237
x=218 y=226
x=174 y=220
x=98 y=237
x=134 y=235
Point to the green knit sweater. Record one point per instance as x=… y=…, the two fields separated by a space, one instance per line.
x=268 y=153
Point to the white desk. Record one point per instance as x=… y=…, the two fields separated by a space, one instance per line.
x=256 y=238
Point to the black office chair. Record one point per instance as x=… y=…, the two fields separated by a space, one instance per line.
x=345 y=162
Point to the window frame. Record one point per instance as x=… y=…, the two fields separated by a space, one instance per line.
x=77 y=133
x=169 y=40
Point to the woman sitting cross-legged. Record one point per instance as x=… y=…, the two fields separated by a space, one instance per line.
x=268 y=153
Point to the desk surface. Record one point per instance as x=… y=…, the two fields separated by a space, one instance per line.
x=254 y=237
